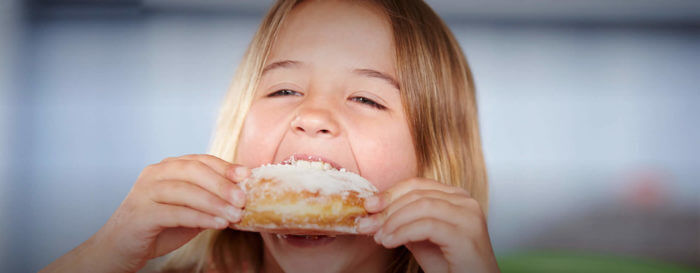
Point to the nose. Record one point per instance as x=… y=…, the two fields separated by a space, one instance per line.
x=315 y=122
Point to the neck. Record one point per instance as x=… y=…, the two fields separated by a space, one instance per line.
x=269 y=264
x=378 y=262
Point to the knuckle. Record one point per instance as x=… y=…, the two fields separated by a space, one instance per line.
x=150 y=168
x=412 y=195
x=462 y=191
x=147 y=172
x=206 y=156
x=425 y=204
x=414 y=182
x=170 y=158
x=475 y=222
x=190 y=166
x=194 y=156
x=175 y=164
x=463 y=202
x=472 y=204
x=426 y=224
x=193 y=165
x=417 y=195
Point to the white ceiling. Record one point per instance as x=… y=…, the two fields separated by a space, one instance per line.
x=566 y=10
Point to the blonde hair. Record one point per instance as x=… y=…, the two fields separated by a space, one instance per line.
x=439 y=98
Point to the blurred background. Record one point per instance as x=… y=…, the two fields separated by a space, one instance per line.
x=589 y=114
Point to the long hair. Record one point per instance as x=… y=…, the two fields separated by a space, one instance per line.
x=438 y=95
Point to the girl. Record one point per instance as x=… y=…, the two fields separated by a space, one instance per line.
x=382 y=89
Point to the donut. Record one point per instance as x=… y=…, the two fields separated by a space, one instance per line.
x=304 y=198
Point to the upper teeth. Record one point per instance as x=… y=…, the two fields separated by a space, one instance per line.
x=312 y=164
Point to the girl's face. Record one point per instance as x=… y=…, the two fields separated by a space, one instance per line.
x=329 y=91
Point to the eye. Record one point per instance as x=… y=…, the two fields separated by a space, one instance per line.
x=284 y=92
x=368 y=102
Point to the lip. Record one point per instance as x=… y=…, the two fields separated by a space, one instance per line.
x=301 y=242
x=309 y=157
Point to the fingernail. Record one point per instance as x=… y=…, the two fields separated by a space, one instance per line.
x=378 y=236
x=220 y=222
x=238 y=198
x=241 y=172
x=372 y=202
x=364 y=225
x=233 y=214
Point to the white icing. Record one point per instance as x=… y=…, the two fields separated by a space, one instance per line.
x=313 y=176
x=311 y=164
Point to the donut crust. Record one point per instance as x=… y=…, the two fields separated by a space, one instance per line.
x=271 y=208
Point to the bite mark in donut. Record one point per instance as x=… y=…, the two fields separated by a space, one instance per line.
x=304 y=198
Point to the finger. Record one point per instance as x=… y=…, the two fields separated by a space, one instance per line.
x=202 y=175
x=422 y=208
x=379 y=202
x=372 y=223
x=410 y=197
x=234 y=172
x=186 y=194
x=431 y=229
x=171 y=216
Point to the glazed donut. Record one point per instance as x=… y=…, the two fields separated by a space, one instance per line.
x=303 y=197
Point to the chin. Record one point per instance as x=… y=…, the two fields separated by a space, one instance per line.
x=342 y=253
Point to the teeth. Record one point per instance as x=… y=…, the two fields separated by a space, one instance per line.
x=308 y=237
x=311 y=164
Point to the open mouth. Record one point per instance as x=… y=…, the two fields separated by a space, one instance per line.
x=306 y=241
x=305 y=237
x=312 y=161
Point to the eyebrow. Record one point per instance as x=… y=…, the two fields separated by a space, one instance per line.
x=281 y=64
x=379 y=75
x=360 y=71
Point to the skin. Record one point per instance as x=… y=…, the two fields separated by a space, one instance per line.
x=319 y=112
x=321 y=106
x=320 y=101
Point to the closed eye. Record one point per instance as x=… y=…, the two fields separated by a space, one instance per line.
x=284 y=92
x=368 y=102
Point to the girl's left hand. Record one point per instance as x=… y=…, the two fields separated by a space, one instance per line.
x=441 y=225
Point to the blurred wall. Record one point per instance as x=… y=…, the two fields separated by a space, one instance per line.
x=11 y=35
x=105 y=95
x=577 y=119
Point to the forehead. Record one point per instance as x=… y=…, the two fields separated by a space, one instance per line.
x=336 y=34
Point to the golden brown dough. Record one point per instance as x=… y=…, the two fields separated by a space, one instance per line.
x=304 y=198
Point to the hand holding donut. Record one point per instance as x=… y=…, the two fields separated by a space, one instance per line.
x=441 y=225
x=170 y=203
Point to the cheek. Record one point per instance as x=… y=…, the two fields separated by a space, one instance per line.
x=259 y=138
x=385 y=155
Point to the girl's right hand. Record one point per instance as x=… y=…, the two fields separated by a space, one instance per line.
x=170 y=203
